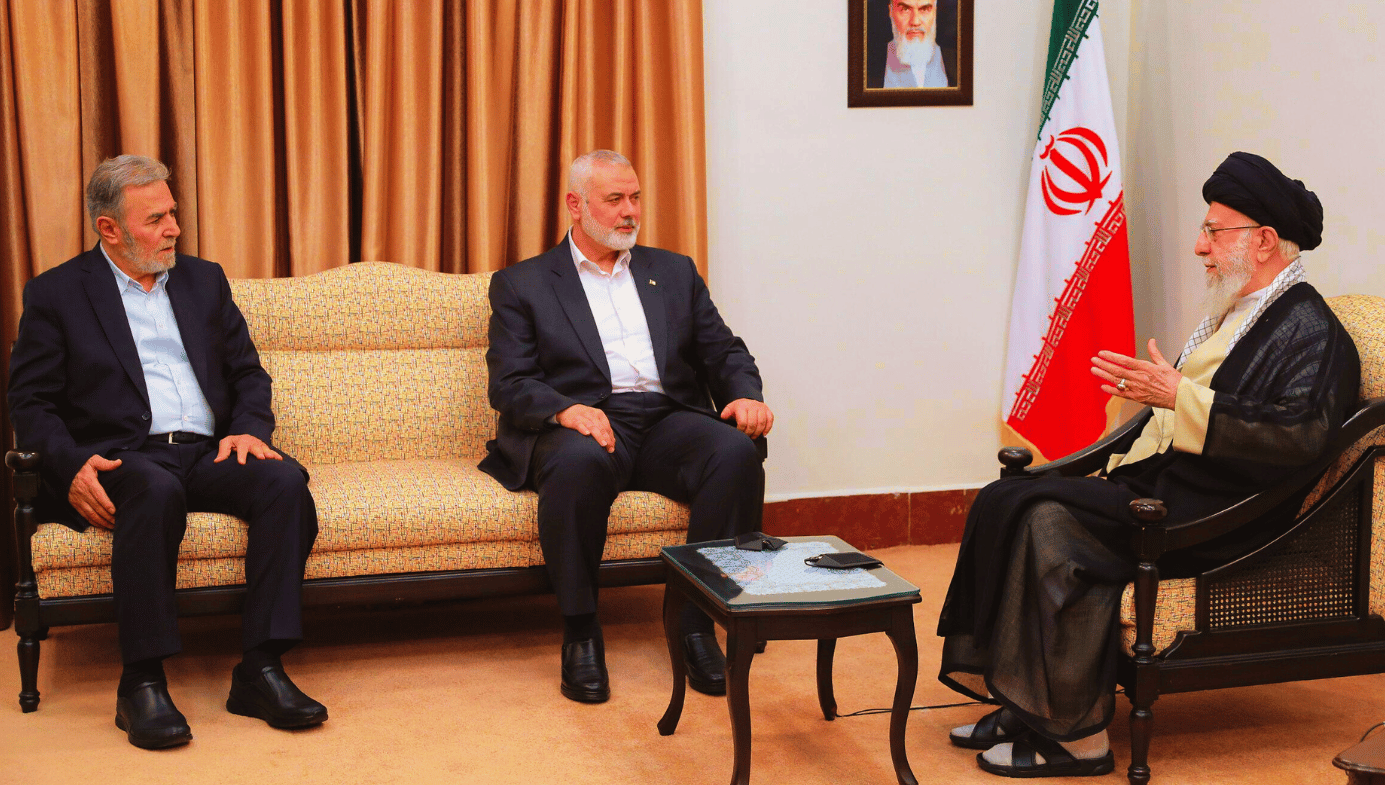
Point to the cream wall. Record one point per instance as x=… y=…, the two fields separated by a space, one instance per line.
x=867 y=255
x=1300 y=84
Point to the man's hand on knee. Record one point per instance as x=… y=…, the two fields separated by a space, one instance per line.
x=87 y=496
x=242 y=444
x=753 y=418
x=589 y=422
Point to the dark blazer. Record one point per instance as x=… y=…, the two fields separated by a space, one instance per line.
x=546 y=354
x=76 y=385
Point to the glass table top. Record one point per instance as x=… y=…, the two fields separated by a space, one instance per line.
x=743 y=579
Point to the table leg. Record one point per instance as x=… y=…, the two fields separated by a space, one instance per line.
x=906 y=651
x=740 y=645
x=827 y=647
x=673 y=608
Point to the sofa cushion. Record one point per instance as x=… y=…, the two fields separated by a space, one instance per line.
x=230 y=571
x=387 y=515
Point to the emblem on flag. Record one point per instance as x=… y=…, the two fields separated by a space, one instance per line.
x=1083 y=183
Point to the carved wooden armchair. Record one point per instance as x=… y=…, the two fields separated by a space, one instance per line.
x=1308 y=605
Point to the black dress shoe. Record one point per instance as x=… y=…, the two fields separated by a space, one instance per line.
x=706 y=663
x=149 y=718
x=274 y=698
x=584 y=671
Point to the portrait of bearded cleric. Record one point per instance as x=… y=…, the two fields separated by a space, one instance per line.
x=906 y=44
x=910 y=52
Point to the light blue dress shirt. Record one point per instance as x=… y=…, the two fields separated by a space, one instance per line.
x=176 y=401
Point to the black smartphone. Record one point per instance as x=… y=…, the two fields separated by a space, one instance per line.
x=843 y=561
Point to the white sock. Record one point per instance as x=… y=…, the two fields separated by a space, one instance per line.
x=1085 y=748
x=965 y=731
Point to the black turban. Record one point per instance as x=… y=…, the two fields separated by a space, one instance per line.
x=1251 y=185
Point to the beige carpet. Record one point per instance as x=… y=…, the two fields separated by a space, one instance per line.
x=468 y=693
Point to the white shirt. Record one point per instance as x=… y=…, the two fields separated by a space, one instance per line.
x=176 y=401
x=1243 y=304
x=615 y=304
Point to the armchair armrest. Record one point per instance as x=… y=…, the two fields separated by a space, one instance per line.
x=1149 y=543
x=1370 y=416
x=1016 y=460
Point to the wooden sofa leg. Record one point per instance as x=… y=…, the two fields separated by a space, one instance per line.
x=26 y=599
x=1141 y=725
x=28 y=669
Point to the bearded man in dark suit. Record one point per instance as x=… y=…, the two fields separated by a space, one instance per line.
x=135 y=379
x=611 y=370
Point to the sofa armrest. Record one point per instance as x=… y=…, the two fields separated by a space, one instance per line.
x=26 y=485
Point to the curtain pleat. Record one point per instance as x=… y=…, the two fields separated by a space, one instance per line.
x=316 y=144
x=237 y=171
x=617 y=94
x=48 y=119
x=401 y=136
x=307 y=134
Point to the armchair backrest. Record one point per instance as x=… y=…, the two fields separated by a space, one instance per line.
x=1363 y=316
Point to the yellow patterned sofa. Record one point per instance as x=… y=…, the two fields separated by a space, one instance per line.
x=380 y=391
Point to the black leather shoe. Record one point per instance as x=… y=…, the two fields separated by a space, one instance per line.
x=273 y=697
x=584 y=671
x=706 y=663
x=149 y=718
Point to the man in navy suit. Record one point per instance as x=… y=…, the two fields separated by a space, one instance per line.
x=135 y=379
x=611 y=370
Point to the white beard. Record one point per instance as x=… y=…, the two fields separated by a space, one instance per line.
x=609 y=238
x=912 y=52
x=1231 y=275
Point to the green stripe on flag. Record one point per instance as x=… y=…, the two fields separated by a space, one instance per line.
x=1071 y=18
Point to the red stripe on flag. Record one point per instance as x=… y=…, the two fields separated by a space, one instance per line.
x=1060 y=407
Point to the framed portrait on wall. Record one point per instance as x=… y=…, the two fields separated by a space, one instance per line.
x=909 y=52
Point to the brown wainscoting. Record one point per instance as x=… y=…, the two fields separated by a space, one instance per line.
x=876 y=520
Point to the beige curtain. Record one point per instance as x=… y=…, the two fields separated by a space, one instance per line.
x=307 y=134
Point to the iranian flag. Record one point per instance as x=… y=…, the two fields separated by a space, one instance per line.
x=1072 y=289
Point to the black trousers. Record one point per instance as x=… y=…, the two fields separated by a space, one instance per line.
x=661 y=447
x=154 y=489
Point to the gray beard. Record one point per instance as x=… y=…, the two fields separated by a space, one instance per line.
x=609 y=238
x=151 y=265
x=915 y=54
x=1224 y=289
x=147 y=263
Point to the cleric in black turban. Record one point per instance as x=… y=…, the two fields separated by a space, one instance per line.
x=1032 y=615
x=1249 y=184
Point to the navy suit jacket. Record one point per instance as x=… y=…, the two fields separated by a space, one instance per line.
x=76 y=385
x=546 y=354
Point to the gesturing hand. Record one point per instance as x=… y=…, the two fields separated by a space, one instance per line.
x=1153 y=383
x=589 y=422
x=242 y=444
x=87 y=496
x=753 y=418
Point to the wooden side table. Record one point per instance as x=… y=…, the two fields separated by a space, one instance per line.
x=757 y=596
x=1364 y=763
